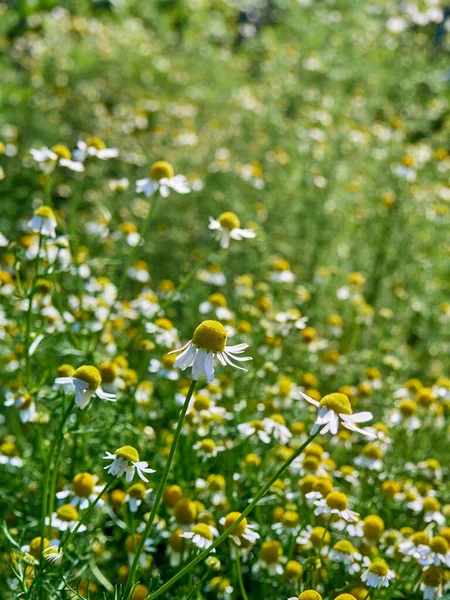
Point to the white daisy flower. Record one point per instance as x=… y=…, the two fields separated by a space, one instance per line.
x=209 y=341
x=244 y=533
x=136 y=494
x=437 y=553
x=57 y=155
x=228 y=227
x=65 y=518
x=256 y=427
x=25 y=405
x=163 y=179
x=86 y=382
x=344 y=552
x=126 y=460
x=378 y=574
x=164 y=331
x=9 y=455
x=335 y=409
x=43 y=221
x=270 y=558
x=336 y=503
x=94 y=147
x=201 y=535
x=84 y=490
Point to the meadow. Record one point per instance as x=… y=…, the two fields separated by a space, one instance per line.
x=225 y=310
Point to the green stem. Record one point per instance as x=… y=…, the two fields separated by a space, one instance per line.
x=56 y=451
x=87 y=513
x=45 y=485
x=159 y=492
x=263 y=491
x=239 y=574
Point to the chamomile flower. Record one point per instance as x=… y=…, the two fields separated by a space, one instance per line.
x=9 y=455
x=96 y=147
x=65 y=518
x=43 y=221
x=163 y=179
x=201 y=535
x=216 y=304
x=436 y=553
x=136 y=494
x=335 y=503
x=84 y=490
x=431 y=583
x=378 y=574
x=126 y=461
x=228 y=227
x=164 y=331
x=335 y=409
x=244 y=533
x=58 y=155
x=209 y=341
x=86 y=381
x=344 y=552
x=24 y=404
x=270 y=558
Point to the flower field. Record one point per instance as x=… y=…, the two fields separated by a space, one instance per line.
x=224 y=300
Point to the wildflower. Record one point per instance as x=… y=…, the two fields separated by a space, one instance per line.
x=58 y=155
x=209 y=341
x=25 y=405
x=436 y=553
x=126 y=460
x=335 y=503
x=227 y=226
x=94 y=146
x=378 y=574
x=431 y=583
x=135 y=495
x=65 y=518
x=43 y=221
x=86 y=381
x=221 y=587
x=270 y=558
x=201 y=535
x=344 y=552
x=243 y=534
x=335 y=409
x=53 y=555
x=84 y=490
x=163 y=179
x=9 y=455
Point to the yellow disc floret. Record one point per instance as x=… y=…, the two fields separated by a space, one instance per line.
x=210 y=336
x=91 y=375
x=271 y=551
x=128 y=453
x=310 y=595
x=138 y=491
x=67 y=512
x=379 y=567
x=83 y=485
x=45 y=212
x=203 y=530
x=337 y=402
x=231 y=518
x=35 y=546
x=229 y=220
x=337 y=500
x=161 y=169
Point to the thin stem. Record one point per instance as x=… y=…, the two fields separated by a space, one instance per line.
x=263 y=491
x=239 y=574
x=57 y=453
x=87 y=513
x=160 y=490
x=45 y=485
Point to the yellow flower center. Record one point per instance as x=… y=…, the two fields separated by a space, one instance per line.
x=344 y=546
x=216 y=482
x=35 y=546
x=108 y=371
x=373 y=452
x=310 y=595
x=337 y=500
x=172 y=495
x=128 y=453
x=271 y=551
x=95 y=142
x=67 y=513
x=373 y=526
x=218 y=299
x=8 y=449
x=202 y=402
x=345 y=597
x=420 y=537
x=290 y=518
x=185 y=512
x=319 y=535
x=281 y=265
x=407 y=407
x=207 y=446
x=432 y=577
x=324 y=486
x=90 y=375
x=231 y=518
x=379 y=567
x=132 y=542
x=210 y=336
x=45 y=212
x=284 y=386
x=62 y=151
x=128 y=227
x=163 y=323
x=431 y=505
x=26 y=401
x=339 y=403
x=161 y=169
x=137 y=491
x=203 y=530
x=229 y=220
x=439 y=544
x=140 y=592
x=294 y=569
x=83 y=485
